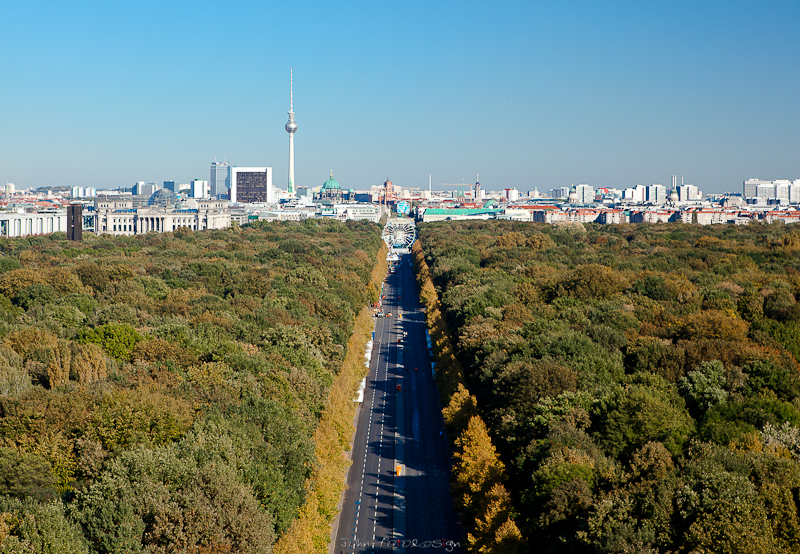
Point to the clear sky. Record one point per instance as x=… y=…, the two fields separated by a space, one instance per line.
x=526 y=93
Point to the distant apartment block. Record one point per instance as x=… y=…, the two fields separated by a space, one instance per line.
x=781 y=189
x=145 y=189
x=654 y=216
x=688 y=193
x=83 y=192
x=656 y=194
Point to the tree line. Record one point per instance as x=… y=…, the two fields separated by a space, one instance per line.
x=631 y=388
x=167 y=392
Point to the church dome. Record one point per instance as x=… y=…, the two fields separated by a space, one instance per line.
x=163 y=198
x=331 y=184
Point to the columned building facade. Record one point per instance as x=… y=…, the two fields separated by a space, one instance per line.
x=37 y=223
x=118 y=217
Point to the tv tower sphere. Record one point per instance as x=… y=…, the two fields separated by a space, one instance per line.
x=291 y=127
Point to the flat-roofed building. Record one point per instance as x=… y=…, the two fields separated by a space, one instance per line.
x=32 y=223
x=220 y=179
x=251 y=184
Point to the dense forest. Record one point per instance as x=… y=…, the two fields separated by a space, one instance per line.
x=619 y=388
x=161 y=393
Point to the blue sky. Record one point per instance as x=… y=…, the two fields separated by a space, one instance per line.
x=528 y=94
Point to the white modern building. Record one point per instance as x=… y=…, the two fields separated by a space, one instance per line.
x=146 y=189
x=198 y=188
x=688 y=193
x=36 y=223
x=657 y=194
x=781 y=189
x=637 y=194
x=83 y=192
x=585 y=194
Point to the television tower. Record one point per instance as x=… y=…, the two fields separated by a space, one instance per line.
x=291 y=127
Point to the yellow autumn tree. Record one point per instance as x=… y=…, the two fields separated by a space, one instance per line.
x=458 y=412
x=476 y=470
x=495 y=531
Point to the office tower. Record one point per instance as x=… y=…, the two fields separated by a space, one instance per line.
x=220 y=179
x=291 y=127
x=585 y=194
x=251 y=184
x=794 y=191
x=198 y=189
x=782 y=189
x=657 y=194
x=145 y=189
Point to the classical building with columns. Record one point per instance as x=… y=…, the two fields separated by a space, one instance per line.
x=164 y=213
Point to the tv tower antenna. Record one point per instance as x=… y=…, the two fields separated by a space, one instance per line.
x=291 y=127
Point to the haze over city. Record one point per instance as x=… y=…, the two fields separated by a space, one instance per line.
x=528 y=94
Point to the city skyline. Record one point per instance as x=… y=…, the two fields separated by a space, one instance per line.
x=531 y=95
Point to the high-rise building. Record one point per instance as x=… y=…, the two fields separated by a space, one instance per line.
x=782 y=189
x=750 y=187
x=794 y=191
x=198 y=189
x=291 y=127
x=585 y=194
x=145 y=189
x=251 y=184
x=687 y=193
x=220 y=179
x=657 y=194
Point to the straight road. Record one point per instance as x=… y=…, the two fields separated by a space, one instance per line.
x=399 y=424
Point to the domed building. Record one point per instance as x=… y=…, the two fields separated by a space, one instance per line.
x=117 y=215
x=331 y=184
x=673 y=195
x=331 y=192
x=572 y=198
x=164 y=198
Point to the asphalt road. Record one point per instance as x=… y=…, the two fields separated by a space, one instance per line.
x=412 y=512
